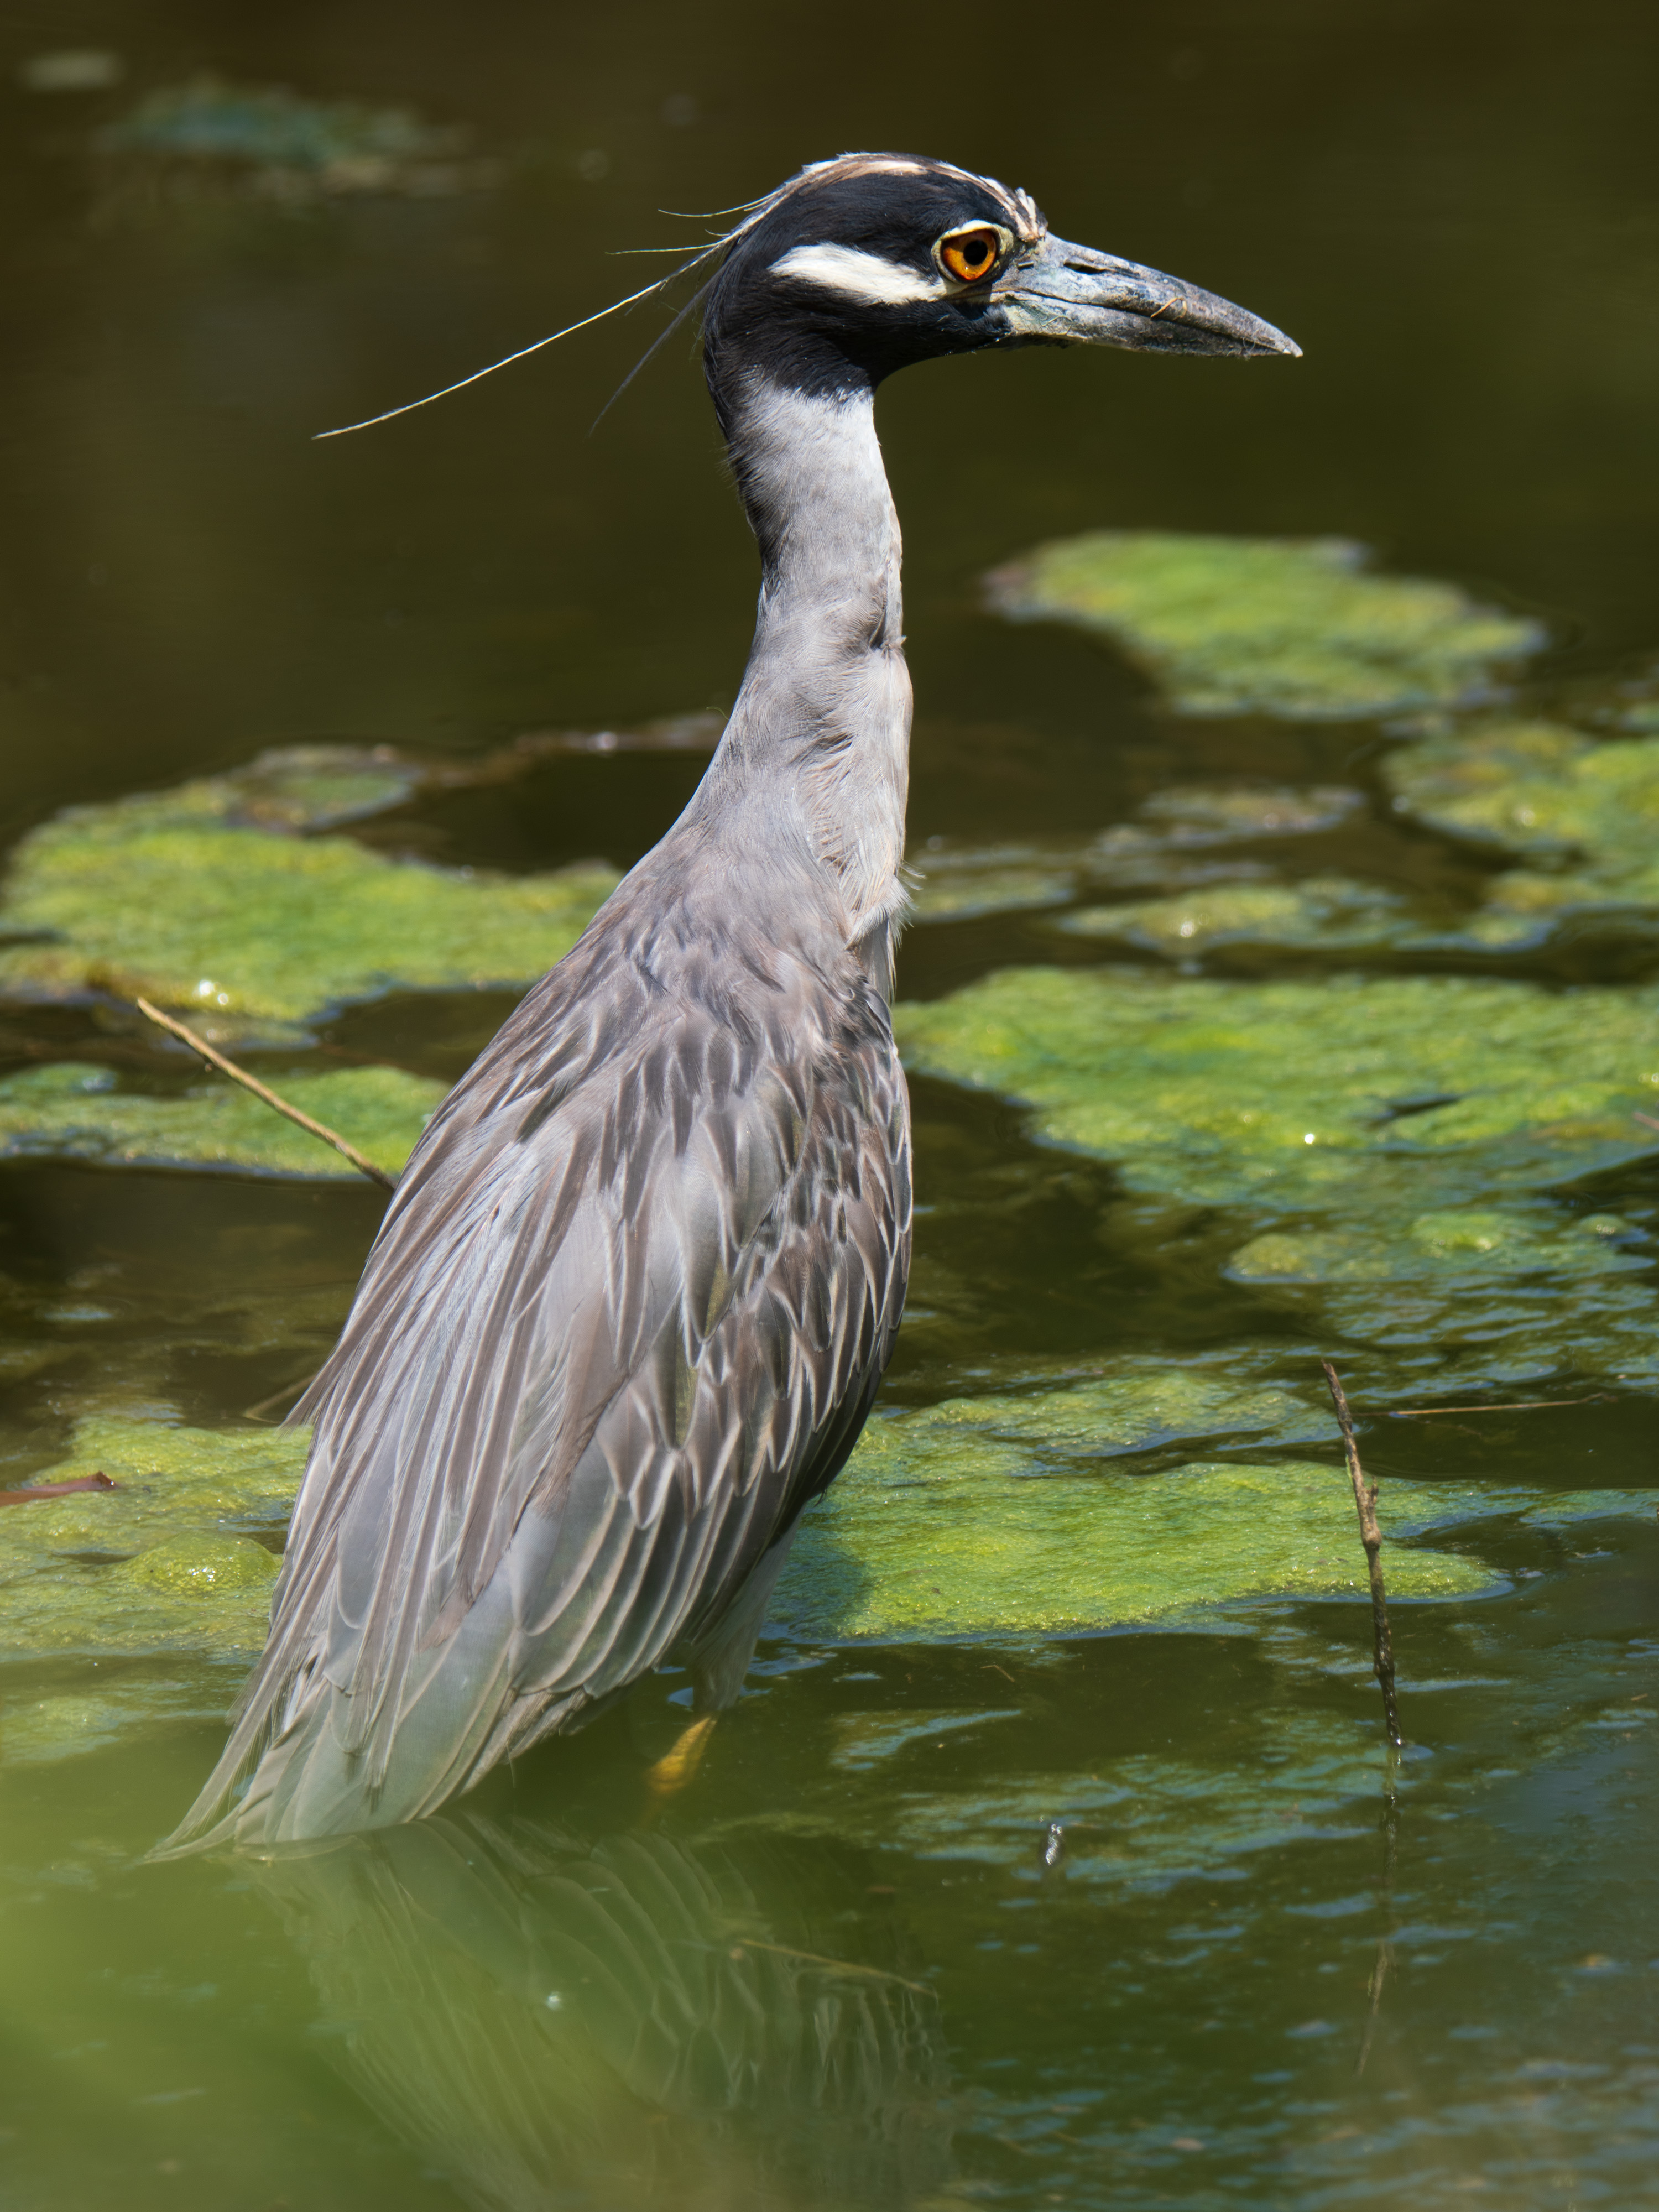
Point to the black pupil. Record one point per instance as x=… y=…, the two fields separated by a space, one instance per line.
x=976 y=252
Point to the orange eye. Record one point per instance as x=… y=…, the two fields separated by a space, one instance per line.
x=968 y=255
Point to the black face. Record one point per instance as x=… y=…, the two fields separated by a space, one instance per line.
x=858 y=266
x=863 y=266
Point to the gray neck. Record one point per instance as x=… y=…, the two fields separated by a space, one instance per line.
x=815 y=761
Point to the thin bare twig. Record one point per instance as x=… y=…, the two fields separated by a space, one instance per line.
x=289 y=1391
x=1364 y=1498
x=1510 y=1406
x=250 y=1082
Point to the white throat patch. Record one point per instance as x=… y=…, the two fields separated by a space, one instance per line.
x=859 y=275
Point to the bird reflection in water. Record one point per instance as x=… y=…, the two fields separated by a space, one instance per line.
x=629 y=2021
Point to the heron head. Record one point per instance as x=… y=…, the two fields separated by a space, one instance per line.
x=858 y=266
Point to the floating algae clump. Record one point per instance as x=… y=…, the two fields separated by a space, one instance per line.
x=1274 y=626
x=1586 y=811
x=933 y=1531
x=1321 y=911
x=296 y=787
x=167 y=1560
x=1134 y=1404
x=1222 y=814
x=1287 y=1092
x=972 y=1517
x=1481 y=1241
x=1354 y=1122
x=956 y=882
x=36 y=1728
x=961 y=887
x=286 y=141
x=1332 y=913
x=201 y=898
x=71 y=1111
x=203 y=1566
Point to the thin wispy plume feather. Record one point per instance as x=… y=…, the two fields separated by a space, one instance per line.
x=344 y=429
x=651 y=352
x=751 y=211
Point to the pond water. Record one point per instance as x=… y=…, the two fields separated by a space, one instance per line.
x=1055 y=1855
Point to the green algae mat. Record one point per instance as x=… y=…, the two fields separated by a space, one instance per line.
x=71 y=1111
x=1582 y=811
x=1304 y=629
x=221 y=899
x=1294 y=1092
x=170 y=1559
x=968 y=886
x=918 y=1544
x=1016 y=1516
x=1291 y=626
x=1408 y=1161
x=1320 y=911
x=1414 y=1157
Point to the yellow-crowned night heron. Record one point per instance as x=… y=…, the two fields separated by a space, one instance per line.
x=638 y=1284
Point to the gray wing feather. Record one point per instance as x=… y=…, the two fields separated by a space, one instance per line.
x=624 y=1318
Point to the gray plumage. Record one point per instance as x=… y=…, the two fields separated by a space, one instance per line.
x=638 y=1284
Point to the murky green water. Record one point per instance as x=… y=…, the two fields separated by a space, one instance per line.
x=1053 y=1858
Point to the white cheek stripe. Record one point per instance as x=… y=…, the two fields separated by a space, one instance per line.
x=866 y=276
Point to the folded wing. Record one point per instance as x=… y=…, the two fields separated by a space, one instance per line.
x=625 y=1318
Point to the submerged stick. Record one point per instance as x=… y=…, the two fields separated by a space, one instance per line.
x=1384 y=1965
x=1364 y=1498
x=251 y=1083
x=1510 y=1406
x=289 y=1391
x=1374 y=2005
x=37 y=1490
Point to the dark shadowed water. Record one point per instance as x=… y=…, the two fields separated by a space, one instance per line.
x=855 y=1965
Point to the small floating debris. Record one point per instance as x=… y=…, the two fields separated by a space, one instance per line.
x=672 y=733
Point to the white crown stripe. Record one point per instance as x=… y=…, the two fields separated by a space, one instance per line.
x=862 y=275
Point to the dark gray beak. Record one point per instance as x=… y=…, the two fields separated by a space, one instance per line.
x=1074 y=295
